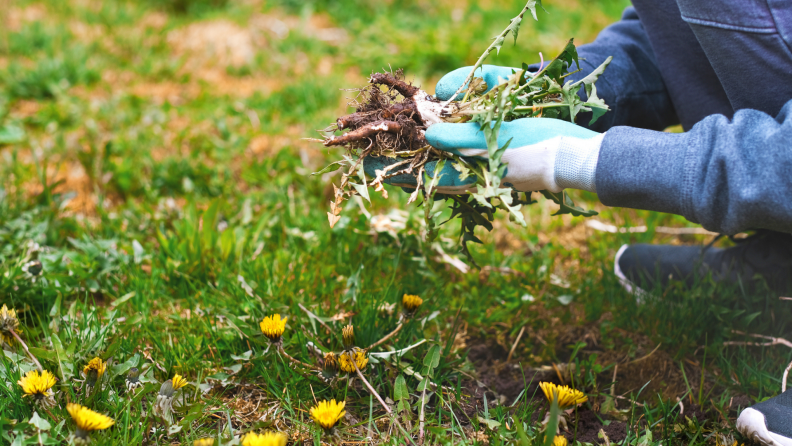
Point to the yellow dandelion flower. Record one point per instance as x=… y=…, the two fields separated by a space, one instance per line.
x=273 y=327
x=565 y=396
x=94 y=370
x=559 y=440
x=411 y=302
x=265 y=439
x=204 y=442
x=348 y=334
x=8 y=323
x=348 y=359
x=178 y=382
x=328 y=413
x=37 y=384
x=87 y=420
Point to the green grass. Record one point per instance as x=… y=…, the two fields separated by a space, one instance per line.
x=168 y=196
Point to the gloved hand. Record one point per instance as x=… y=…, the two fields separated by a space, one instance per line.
x=544 y=153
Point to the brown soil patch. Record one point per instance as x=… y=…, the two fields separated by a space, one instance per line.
x=589 y=424
x=24 y=108
x=15 y=17
x=637 y=360
x=69 y=177
x=154 y=20
x=214 y=43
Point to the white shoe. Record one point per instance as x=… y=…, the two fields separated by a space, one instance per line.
x=769 y=422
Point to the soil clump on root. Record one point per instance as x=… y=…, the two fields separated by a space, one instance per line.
x=386 y=121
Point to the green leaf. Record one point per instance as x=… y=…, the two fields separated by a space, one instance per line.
x=431 y=360
x=44 y=354
x=521 y=433
x=361 y=189
x=531 y=5
x=11 y=134
x=331 y=168
x=552 y=424
x=567 y=206
x=39 y=423
x=558 y=67
x=492 y=424
x=120 y=369
x=594 y=75
x=400 y=390
x=598 y=106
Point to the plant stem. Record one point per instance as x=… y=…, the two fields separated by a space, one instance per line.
x=54 y=418
x=422 y=416
x=38 y=364
x=387 y=409
x=480 y=61
x=388 y=336
x=293 y=360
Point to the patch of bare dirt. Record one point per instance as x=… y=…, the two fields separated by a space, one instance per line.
x=215 y=43
x=589 y=424
x=16 y=17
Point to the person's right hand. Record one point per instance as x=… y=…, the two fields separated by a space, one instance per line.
x=450 y=83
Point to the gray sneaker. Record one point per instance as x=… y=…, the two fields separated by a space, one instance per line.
x=765 y=256
x=769 y=422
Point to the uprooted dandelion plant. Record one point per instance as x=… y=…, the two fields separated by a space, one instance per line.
x=392 y=116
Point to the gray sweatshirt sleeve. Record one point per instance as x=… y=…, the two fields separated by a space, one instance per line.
x=727 y=175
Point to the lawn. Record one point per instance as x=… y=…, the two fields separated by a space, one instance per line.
x=157 y=204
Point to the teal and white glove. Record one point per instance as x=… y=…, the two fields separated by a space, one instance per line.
x=544 y=154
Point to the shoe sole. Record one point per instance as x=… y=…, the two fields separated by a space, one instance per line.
x=639 y=293
x=751 y=424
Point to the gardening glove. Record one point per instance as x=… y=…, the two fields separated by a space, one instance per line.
x=544 y=154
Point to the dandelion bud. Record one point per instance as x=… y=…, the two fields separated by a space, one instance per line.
x=34 y=267
x=133 y=379
x=166 y=389
x=329 y=368
x=411 y=303
x=8 y=323
x=348 y=333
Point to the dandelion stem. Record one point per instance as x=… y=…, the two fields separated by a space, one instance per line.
x=54 y=418
x=38 y=364
x=295 y=361
x=387 y=409
x=422 y=417
x=388 y=336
